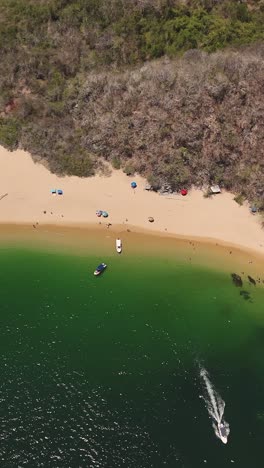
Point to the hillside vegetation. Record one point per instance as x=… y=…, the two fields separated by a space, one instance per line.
x=171 y=89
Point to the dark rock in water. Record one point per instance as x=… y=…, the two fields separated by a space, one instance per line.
x=237 y=280
x=251 y=280
x=245 y=295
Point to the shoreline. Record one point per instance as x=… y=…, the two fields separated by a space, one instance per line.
x=121 y=230
x=100 y=242
x=217 y=220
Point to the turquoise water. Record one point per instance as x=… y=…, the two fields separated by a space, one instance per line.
x=104 y=372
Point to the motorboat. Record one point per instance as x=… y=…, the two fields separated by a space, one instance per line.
x=100 y=269
x=118 y=245
x=222 y=432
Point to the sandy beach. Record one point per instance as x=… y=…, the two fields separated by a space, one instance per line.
x=25 y=198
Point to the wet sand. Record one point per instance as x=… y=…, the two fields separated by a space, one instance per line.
x=101 y=241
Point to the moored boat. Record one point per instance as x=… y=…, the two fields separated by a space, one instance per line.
x=118 y=245
x=100 y=269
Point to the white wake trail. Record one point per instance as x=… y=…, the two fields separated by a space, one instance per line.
x=215 y=407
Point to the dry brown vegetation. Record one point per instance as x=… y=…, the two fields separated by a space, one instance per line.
x=189 y=121
x=80 y=81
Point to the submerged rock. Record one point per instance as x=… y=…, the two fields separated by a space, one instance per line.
x=237 y=280
x=245 y=295
x=251 y=280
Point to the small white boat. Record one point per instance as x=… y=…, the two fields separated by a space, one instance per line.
x=222 y=432
x=118 y=245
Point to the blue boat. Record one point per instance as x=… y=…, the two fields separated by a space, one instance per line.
x=100 y=269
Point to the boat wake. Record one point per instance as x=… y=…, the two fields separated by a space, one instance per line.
x=215 y=407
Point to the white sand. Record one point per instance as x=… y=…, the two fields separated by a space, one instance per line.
x=28 y=186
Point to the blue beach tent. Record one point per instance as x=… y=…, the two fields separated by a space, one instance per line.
x=53 y=191
x=133 y=184
x=59 y=192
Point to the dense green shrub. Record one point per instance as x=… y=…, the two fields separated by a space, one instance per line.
x=129 y=169
x=80 y=164
x=116 y=162
x=9 y=133
x=240 y=198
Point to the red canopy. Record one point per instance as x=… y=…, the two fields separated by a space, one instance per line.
x=184 y=192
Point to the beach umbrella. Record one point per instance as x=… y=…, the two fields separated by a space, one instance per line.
x=133 y=184
x=99 y=213
x=253 y=209
x=184 y=192
x=151 y=220
x=105 y=214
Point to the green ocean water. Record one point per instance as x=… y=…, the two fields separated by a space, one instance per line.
x=105 y=372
